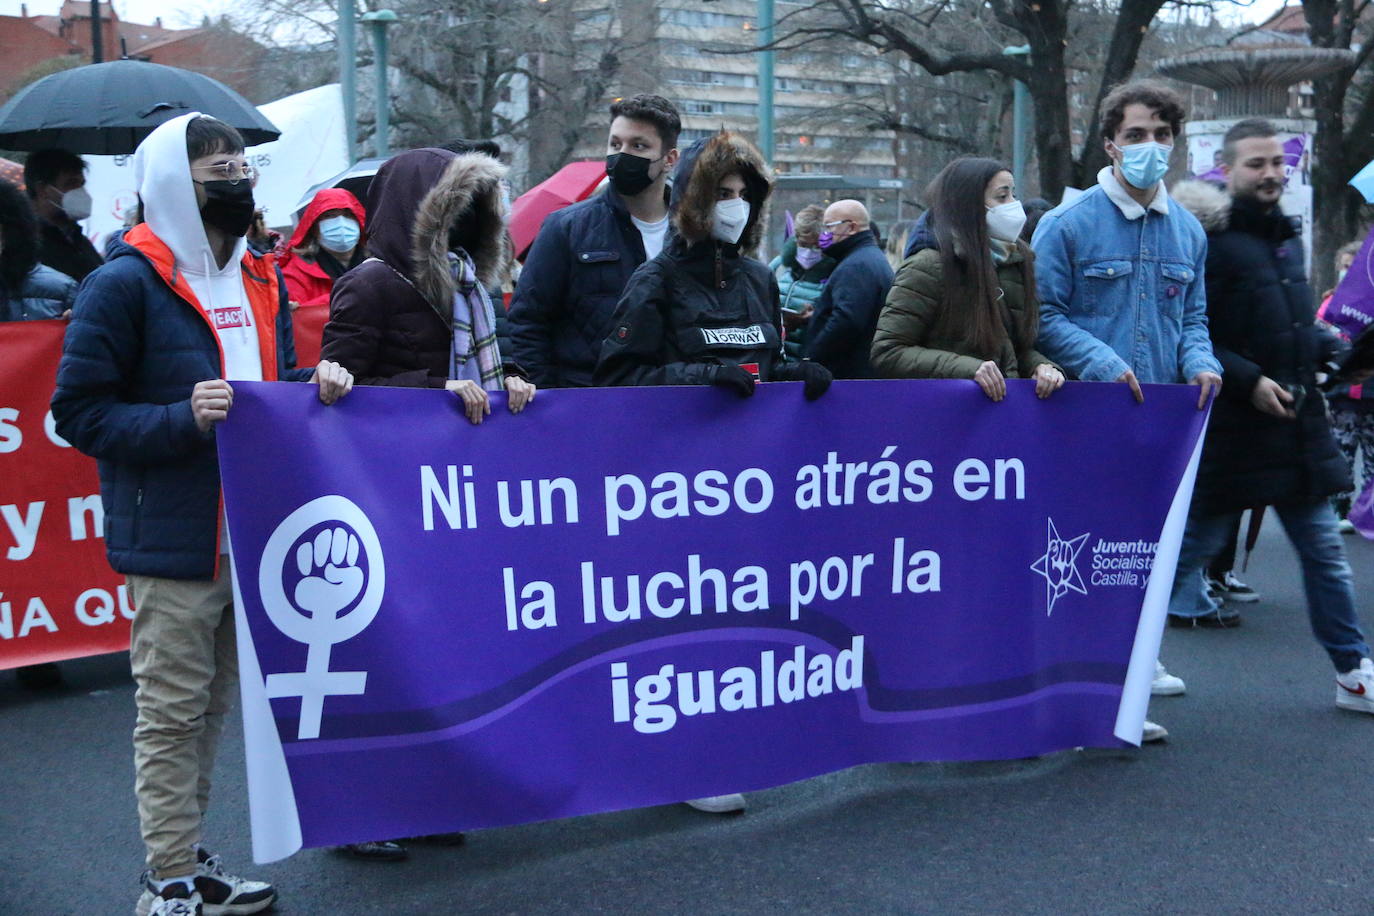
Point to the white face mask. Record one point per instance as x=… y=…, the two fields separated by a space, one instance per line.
x=76 y=203
x=731 y=217
x=1005 y=221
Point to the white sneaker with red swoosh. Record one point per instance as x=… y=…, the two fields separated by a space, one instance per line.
x=1355 y=689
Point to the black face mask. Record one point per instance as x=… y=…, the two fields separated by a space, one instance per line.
x=228 y=206
x=629 y=174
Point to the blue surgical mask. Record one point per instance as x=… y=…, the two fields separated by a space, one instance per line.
x=339 y=234
x=1143 y=165
x=808 y=257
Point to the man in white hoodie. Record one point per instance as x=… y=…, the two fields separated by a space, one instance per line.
x=181 y=310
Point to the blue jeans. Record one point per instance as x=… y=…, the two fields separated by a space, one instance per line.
x=1326 y=577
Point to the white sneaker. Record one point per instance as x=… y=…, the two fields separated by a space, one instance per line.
x=177 y=899
x=1166 y=684
x=223 y=894
x=718 y=804
x=1355 y=689
x=1153 y=732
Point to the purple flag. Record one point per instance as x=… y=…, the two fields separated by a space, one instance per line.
x=627 y=597
x=1293 y=149
x=1351 y=307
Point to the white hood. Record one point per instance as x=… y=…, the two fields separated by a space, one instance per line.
x=163 y=174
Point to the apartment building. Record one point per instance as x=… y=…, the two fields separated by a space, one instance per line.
x=698 y=55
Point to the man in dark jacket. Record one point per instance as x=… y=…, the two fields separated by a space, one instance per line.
x=584 y=255
x=56 y=182
x=157 y=334
x=841 y=332
x=1269 y=442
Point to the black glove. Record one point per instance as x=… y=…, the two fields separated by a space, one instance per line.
x=734 y=378
x=816 y=377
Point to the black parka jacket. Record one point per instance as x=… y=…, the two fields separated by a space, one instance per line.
x=1260 y=311
x=701 y=303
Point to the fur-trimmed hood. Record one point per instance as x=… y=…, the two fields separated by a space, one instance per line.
x=1209 y=203
x=413 y=201
x=703 y=165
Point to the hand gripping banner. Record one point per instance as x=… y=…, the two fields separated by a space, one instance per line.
x=626 y=597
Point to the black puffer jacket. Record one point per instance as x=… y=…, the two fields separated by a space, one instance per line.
x=701 y=303
x=1260 y=311
x=391 y=317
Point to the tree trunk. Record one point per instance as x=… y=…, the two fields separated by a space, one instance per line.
x=1048 y=83
x=1132 y=23
x=1335 y=205
x=1331 y=223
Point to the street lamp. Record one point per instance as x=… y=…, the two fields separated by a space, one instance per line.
x=348 y=72
x=765 y=117
x=379 y=20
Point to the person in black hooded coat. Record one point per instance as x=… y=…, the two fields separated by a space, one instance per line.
x=703 y=312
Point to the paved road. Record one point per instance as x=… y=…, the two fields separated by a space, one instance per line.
x=1259 y=804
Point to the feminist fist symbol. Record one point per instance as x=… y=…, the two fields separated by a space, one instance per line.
x=332 y=577
x=332 y=580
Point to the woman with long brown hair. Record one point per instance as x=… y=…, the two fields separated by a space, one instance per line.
x=963 y=304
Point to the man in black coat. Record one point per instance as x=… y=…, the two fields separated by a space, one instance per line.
x=56 y=182
x=1269 y=442
x=584 y=255
x=841 y=332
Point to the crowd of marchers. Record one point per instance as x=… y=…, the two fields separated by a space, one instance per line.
x=653 y=281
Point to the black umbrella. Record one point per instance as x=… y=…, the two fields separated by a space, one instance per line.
x=107 y=109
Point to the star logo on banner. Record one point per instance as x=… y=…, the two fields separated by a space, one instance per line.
x=1059 y=566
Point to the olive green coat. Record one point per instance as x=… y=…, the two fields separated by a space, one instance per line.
x=908 y=343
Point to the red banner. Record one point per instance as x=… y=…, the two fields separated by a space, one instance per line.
x=58 y=596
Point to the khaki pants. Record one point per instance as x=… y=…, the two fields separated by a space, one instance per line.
x=185 y=664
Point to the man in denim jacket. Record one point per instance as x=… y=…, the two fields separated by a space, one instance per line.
x=1119 y=271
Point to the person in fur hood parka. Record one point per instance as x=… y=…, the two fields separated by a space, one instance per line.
x=416 y=313
x=704 y=312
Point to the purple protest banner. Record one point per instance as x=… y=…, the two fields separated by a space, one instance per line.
x=627 y=597
x=1351 y=307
